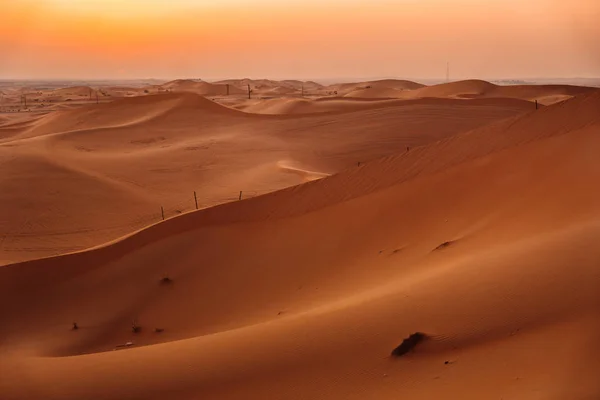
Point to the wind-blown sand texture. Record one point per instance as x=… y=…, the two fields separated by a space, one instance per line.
x=483 y=235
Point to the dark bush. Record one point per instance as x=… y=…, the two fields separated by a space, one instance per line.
x=135 y=328
x=408 y=344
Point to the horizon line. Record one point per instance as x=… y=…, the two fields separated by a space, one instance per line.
x=524 y=78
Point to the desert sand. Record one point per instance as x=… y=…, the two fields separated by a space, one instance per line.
x=97 y=172
x=461 y=211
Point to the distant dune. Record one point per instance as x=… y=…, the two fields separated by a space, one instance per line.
x=278 y=90
x=202 y=88
x=375 y=93
x=308 y=85
x=477 y=89
x=469 y=89
x=345 y=88
x=265 y=85
x=72 y=91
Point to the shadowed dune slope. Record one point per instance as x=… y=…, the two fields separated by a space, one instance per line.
x=486 y=241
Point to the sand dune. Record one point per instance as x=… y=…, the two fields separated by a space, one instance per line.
x=308 y=85
x=296 y=106
x=125 y=112
x=247 y=81
x=124 y=91
x=395 y=84
x=469 y=89
x=486 y=241
x=479 y=89
x=384 y=84
x=202 y=88
x=375 y=93
x=272 y=87
x=72 y=91
x=279 y=90
x=159 y=149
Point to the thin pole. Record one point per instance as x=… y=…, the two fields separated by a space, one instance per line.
x=240 y=195
x=196 y=199
x=162 y=211
x=249 y=91
x=536 y=105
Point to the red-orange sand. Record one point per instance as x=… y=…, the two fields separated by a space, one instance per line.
x=484 y=235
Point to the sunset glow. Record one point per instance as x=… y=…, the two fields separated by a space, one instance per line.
x=207 y=38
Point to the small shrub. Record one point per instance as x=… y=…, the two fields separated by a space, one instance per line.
x=408 y=344
x=443 y=245
x=135 y=328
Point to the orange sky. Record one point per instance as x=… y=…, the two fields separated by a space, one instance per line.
x=299 y=38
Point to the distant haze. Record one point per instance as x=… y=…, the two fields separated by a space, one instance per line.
x=94 y=39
